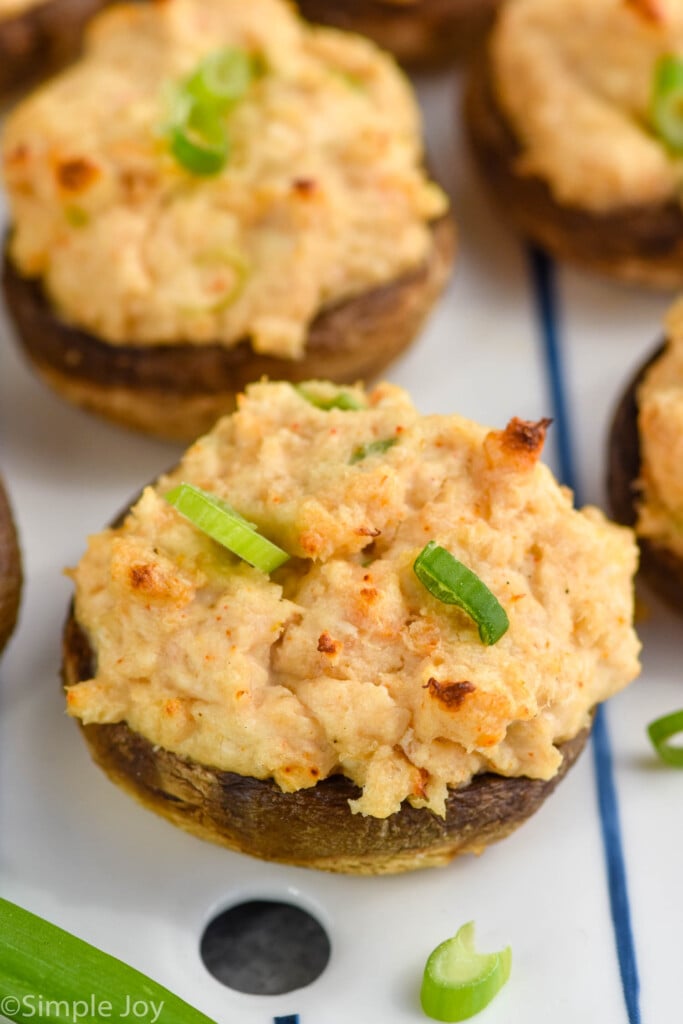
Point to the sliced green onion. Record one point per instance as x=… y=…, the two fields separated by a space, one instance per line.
x=451 y=582
x=199 y=139
x=76 y=216
x=241 y=268
x=226 y=526
x=350 y=79
x=198 y=131
x=222 y=78
x=660 y=732
x=372 y=448
x=341 y=400
x=50 y=975
x=459 y=982
x=666 y=106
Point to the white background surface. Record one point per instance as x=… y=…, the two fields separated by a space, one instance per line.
x=78 y=851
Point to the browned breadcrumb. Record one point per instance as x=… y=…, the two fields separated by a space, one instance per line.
x=76 y=174
x=520 y=444
x=450 y=694
x=651 y=10
x=327 y=645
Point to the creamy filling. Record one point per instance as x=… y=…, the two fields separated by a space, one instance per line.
x=342 y=661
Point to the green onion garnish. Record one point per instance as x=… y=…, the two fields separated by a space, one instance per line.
x=222 y=78
x=198 y=131
x=666 y=106
x=223 y=524
x=76 y=216
x=372 y=448
x=199 y=139
x=343 y=400
x=50 y=975
x=458 y=982
x=661 y=731
x=451 y=582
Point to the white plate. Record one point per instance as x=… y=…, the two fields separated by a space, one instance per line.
x=77 y=850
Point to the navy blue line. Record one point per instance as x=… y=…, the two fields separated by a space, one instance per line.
x=547 y=307
x=292 y=1018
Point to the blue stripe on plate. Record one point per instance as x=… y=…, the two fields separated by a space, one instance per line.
x=292 y=1018
x=547 y=308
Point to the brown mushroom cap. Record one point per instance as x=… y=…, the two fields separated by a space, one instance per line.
x=641 y=244
x=662 y=568
x=311 y=827
x=178 y=391
x=10 y=570
x=425 y=33
x=38 y=40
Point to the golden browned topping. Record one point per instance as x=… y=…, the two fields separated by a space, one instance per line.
x=450 y=694
x=75 y=175
x=651 y=10
x=342 y=661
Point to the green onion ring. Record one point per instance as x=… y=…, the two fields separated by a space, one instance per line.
x=199 y=140
x=223 y=524
x=666 y=105
x=459 y=982
x=451 y=582
x=660 y=732
x=222 y=78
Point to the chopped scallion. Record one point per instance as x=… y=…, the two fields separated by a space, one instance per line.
x=222 y=78
x=372 y=448
x=459 y=982
x=666 y=106
x=49 y=974
x=76 y=216
x=198 y=129
x=661 y=731
x=226 y=526
x=199 y=139
x=343 y=400
x=451 y=582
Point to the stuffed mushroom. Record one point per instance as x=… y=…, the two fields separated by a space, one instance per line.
x=645 y=480
x=391 y=658
x=574 y=117
x=215 y=193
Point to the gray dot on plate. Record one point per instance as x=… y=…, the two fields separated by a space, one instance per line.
x=265 y=947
